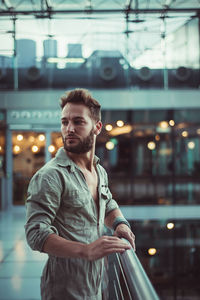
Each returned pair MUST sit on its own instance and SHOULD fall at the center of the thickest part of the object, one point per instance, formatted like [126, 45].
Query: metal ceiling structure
[52, 8]
[130, 26]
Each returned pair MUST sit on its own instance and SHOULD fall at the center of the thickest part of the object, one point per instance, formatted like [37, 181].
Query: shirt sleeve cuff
[37, 234]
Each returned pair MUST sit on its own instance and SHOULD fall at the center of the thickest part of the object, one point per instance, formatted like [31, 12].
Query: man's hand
[123, 231]
[104, 246]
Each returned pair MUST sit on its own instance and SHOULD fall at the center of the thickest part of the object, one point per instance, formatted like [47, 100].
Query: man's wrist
[83, 251]
[118, 221]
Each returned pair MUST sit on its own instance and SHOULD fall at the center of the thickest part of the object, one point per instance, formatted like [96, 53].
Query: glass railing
[125, 278]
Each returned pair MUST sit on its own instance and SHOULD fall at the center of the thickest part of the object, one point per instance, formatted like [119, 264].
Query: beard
[81, 147]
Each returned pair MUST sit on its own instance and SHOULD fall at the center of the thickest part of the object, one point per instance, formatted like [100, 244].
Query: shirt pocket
[75, 209]
[76, 199]
[104, 199]
[105, 193]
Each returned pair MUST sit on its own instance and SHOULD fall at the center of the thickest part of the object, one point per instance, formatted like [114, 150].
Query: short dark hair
[82, 96]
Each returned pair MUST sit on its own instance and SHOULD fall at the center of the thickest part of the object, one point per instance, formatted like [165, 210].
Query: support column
[8, 200]
[48, 143]
[15, 64]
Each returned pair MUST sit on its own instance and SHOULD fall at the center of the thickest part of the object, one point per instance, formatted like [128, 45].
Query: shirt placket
[97, 214]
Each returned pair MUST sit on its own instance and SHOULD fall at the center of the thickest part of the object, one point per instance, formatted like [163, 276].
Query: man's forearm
[105, 245]
[122, 228]
[109, 220]
[58, 246]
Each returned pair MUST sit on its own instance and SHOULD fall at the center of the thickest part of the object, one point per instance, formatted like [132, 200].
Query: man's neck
[83, 160]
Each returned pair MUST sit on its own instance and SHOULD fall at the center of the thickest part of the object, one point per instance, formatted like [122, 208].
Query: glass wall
[28, 157]
[2, 158]
[2, 164]
[56, 143]
[170, 254]
[152, 157]
[2, 152]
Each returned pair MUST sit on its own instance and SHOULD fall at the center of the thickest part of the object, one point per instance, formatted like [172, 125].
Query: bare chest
[92, 183]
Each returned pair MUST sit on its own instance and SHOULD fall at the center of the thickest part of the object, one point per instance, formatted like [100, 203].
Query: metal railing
[127, 278]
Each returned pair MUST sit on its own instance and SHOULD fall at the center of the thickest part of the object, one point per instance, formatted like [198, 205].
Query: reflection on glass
[110, 145]
[169, 173]
[16, 149]
[151, 145]
[163, 124]
[121, 130]
[20, 251]
[120, 123]
[173, 260]
[191, 145]
[152, 251]
[28, 157]
[2, 171]
[16, 282]
[34, 148]
[171, 123]
[184, 133]
[41, 137]
[109, 127]
[52, 148]
[20, 137]
[170, 226]
[1, 252]
[56, 143]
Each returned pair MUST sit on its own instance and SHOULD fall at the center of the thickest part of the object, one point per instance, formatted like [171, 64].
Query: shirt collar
[64, 161]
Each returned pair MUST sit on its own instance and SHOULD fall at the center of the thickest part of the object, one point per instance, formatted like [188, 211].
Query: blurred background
[141, 61]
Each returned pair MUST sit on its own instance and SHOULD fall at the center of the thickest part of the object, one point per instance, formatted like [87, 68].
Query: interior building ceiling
[55, 7]
[132, 26]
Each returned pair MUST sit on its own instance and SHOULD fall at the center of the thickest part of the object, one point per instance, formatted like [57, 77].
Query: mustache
[71, 136]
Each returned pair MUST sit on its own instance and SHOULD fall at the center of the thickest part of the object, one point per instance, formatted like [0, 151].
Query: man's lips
[71, 138]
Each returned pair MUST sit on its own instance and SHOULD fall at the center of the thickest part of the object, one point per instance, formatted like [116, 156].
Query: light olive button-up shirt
[60, 202]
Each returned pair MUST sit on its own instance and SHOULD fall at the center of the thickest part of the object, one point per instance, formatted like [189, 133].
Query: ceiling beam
[7, 4]
[100, 11]
[48, 5]
[129, 4]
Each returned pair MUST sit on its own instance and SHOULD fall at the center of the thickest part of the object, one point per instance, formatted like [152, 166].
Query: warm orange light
[151, 145]
[51, 148]
[121, 130]
[20, 137]
[35, 149]
[139, 133]
[31, 139]
[16, 149]
[157, 137]
[120, 123]
[108, 127]
[191, 145]
[110, 145]
[59, 142]
[163, 124]
[198, 131]
[171, 123]
[41, 137]
[152, 251]
[170, 226]
[184, 133]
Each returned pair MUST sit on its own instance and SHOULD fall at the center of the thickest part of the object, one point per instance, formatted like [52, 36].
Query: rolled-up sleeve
[43, 201]
[111, 204]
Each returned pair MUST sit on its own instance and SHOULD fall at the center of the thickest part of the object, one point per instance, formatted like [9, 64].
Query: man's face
[77, 128]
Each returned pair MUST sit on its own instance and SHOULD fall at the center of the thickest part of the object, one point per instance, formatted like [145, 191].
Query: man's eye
[79, 122]
[64, 123]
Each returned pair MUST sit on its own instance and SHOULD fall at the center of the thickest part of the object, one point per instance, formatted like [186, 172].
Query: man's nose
[70, 127]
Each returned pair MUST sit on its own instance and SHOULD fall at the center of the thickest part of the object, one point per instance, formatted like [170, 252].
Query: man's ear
[98, 127]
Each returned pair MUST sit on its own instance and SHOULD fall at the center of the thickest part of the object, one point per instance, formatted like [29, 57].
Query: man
[68, 204]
